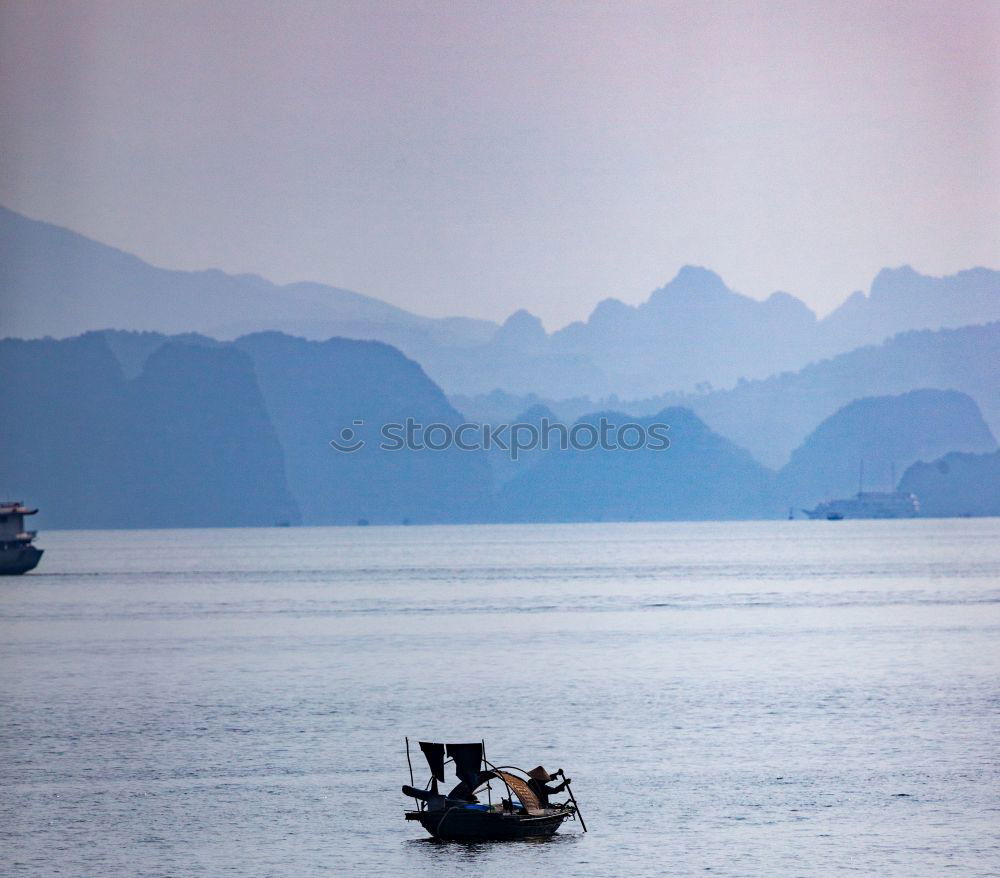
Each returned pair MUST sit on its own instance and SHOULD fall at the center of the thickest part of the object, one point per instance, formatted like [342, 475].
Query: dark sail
[434, 754]
[468, 758]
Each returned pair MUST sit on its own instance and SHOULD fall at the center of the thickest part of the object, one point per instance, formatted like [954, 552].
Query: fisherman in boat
[524, 812]
[538, 781]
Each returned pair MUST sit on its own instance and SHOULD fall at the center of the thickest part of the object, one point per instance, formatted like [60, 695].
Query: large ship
[17, 554]
[869, 504]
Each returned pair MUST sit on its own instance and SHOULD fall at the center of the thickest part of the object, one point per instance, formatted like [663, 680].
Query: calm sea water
[739, 699]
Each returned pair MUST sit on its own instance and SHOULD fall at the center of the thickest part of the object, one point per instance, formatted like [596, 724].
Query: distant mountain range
[54, 282]
[693, 332]
[191, 432]
[705, 476]
[773, 416]
[701, 476]
[116, 429]
[212, 416]
[188, 443]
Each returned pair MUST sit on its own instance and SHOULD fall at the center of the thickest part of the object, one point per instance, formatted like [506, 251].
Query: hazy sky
[474, 158]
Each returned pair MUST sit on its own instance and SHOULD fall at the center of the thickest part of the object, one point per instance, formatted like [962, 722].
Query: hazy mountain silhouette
[692, 331]
[54, 282]
[773, 416]
[886, 435]
[902, 295]
[197, 432]
[956, 484]
[313, 390]
[696, 332]
[187, 443]
[205, 432]
[700, 476]
[504, 466]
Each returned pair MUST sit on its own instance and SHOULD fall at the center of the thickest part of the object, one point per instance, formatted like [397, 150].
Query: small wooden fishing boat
[516, 803]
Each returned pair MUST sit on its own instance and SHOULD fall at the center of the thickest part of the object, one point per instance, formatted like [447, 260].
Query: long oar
[569, 790]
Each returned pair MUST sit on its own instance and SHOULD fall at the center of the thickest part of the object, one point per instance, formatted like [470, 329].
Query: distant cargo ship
[17, 554]
[869, 504]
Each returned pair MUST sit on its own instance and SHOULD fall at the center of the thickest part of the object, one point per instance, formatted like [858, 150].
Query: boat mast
[489, 789]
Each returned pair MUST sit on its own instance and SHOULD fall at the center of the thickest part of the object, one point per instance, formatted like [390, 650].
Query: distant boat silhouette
[17, 554]
[869, 504]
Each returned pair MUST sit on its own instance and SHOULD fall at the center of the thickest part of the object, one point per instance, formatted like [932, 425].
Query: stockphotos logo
[514, 439]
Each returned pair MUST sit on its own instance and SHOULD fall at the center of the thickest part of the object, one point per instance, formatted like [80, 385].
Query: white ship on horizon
[869, 504]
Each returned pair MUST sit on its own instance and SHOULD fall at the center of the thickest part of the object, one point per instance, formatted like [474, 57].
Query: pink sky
[475, 158]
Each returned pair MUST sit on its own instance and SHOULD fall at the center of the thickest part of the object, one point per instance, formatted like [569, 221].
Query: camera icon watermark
[514, 439]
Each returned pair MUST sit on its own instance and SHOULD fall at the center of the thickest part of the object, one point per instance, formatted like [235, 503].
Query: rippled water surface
[739, 699]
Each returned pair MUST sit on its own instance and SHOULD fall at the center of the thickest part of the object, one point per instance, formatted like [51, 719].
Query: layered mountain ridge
[770, 417]
[193, 432]
[217, 401]
[693, 332]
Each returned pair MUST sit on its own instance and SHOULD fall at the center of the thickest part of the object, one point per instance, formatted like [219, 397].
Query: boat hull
[18, 558]
[459, 824]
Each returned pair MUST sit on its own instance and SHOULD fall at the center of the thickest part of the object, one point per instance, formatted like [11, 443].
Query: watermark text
[513, 439]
